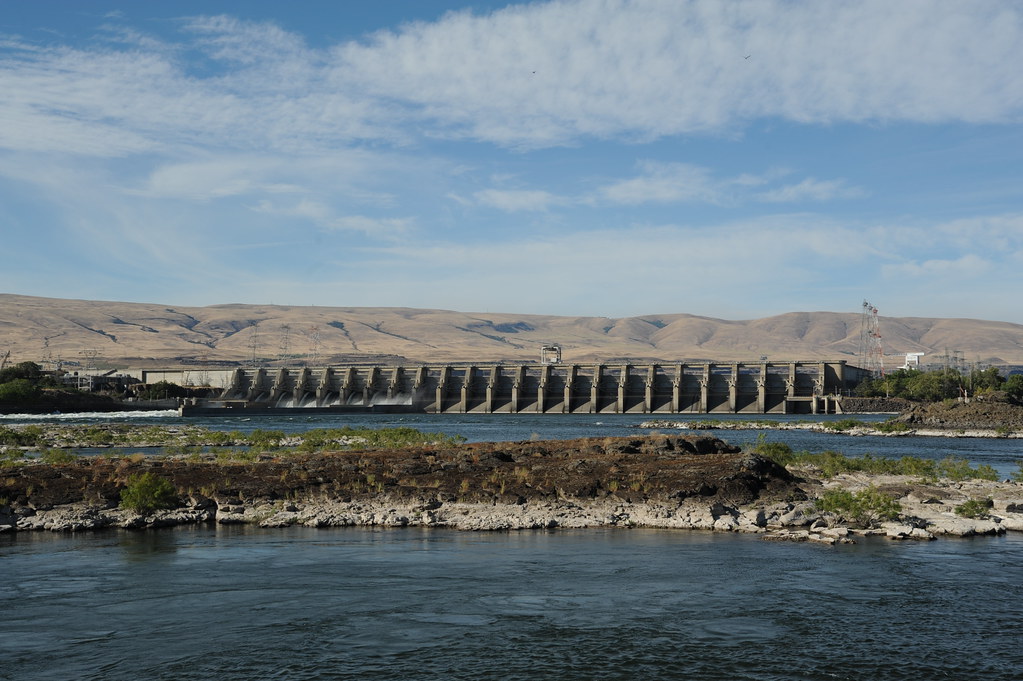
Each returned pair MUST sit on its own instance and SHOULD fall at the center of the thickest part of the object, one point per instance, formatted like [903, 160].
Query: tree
[988, 379]
[19, 390]
[24, 370]
[1014, 386]
[930, 387]
[162, 390]
[147, 492]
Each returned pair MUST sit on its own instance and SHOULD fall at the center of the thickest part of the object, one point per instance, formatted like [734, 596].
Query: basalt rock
[653, 470]
[991, 413]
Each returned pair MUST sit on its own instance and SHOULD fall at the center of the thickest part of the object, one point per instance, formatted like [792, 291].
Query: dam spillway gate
[702, 388]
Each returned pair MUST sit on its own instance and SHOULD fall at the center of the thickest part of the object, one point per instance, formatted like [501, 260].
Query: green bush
[19, 390]
[974, 508]
[162, 390]
[865, 507]
[779, 452]
[843, 424]
[892, 426]
[829, 464]
[266, 439]
[370, 438]
[20, 437]
[959, 469]
[148, 492]
[58, 456]
[236, 455]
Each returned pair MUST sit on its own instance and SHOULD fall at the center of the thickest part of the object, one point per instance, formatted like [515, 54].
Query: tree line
[942, 384]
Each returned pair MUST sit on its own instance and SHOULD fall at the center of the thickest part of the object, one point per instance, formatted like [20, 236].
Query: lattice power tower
[871, 355]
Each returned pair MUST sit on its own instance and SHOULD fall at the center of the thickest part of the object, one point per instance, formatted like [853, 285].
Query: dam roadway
[702, 388]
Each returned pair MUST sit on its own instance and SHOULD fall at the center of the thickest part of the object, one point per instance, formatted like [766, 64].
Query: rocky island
[988, 416]
[661, 481]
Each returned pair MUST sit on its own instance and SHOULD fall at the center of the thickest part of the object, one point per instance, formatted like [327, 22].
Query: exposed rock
[689, 482]
[874, 405]
[899, 531]
[990, 414]
[964, 527]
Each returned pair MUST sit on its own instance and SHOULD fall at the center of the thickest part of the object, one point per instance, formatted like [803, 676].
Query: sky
[731, 159]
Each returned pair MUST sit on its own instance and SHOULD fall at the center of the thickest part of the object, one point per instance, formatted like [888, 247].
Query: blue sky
[601, 158]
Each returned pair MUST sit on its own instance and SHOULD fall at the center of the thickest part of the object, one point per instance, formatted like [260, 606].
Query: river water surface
[238, 603]
[1002, 454]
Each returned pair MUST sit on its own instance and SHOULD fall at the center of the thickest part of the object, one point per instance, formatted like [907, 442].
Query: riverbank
[851, 427]
[658, 481]
[979, 418]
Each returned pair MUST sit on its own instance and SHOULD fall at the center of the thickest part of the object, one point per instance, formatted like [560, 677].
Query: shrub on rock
[866, 507]
[148, 492]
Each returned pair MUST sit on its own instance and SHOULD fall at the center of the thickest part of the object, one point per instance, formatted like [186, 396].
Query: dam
[549, 388]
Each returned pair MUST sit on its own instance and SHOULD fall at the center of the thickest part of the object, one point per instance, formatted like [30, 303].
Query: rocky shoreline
[657, 481]
[823, 427]
[991, 417]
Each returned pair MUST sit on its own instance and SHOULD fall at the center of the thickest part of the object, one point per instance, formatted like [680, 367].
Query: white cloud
[811, 189]
[325, 216]
[373, 226]
[771, 264]
[968, 265]
[661, 182]
[665, 183]
[517, 200]
[245, 42]
[531, 75]
[543, 74]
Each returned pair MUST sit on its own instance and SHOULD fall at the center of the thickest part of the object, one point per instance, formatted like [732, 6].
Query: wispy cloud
[969, 265]
[545, 74]
[511, 200]
[325, 216]
[666, 183]
[774, 264]
[531, 75]
[660, 182]
[811, 189]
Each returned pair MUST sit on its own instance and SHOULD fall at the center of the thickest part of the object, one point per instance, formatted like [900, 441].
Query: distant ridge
[114, 334]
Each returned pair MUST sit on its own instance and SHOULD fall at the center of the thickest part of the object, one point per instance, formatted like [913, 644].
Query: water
[243, 603]
[228, 602]
[1000, 453]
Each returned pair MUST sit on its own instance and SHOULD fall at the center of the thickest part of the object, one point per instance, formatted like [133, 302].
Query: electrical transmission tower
[285, 344]
[254, 342]
[314, 340]
[871, 355]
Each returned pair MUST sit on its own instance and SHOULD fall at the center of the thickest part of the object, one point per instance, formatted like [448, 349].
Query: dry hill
[141, 334]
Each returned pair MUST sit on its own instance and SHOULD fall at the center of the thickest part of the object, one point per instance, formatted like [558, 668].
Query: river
[1002, 454]
[241, 603]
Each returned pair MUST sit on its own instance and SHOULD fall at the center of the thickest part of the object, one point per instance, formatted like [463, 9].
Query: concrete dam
[701, 388]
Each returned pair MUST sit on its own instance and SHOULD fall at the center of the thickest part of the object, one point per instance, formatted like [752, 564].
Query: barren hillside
[112, 334]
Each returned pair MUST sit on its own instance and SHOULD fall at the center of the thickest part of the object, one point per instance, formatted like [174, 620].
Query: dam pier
[548, 388]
